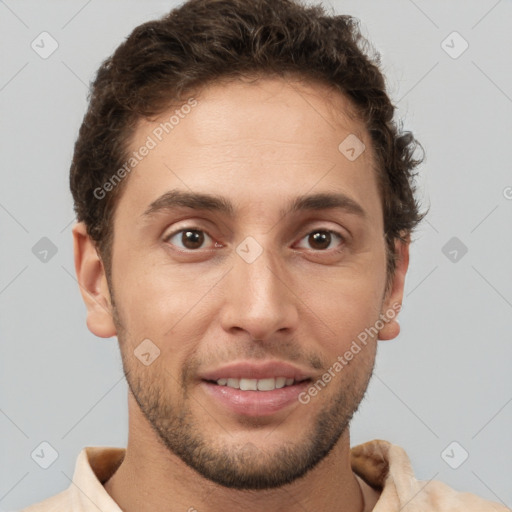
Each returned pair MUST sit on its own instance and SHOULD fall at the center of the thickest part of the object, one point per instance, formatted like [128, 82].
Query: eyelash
[319, 230]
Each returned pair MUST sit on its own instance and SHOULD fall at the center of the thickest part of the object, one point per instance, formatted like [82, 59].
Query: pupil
[322, 238]
[192, 239]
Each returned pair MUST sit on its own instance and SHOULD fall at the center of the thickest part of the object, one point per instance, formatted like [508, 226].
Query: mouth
[256, 390]
[267, 384]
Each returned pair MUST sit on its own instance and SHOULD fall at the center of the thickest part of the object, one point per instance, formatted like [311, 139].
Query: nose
[260, 298]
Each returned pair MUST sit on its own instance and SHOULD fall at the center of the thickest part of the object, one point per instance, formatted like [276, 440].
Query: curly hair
[203, 41]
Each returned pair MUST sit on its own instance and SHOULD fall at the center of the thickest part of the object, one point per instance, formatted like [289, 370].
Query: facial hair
[242, 466]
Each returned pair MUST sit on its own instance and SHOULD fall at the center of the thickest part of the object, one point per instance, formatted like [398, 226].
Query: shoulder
[436, 495]
[387, 468]
[94, 465]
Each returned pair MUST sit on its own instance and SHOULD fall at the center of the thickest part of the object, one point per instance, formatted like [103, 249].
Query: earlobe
[393, 300]
[93, 284]
[390, 331]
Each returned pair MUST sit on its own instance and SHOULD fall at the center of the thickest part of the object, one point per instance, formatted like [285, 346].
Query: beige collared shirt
[382, 465]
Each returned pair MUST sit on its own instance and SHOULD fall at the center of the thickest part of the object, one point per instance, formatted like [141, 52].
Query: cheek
[166, 305]
[344, 306]
[351, 321]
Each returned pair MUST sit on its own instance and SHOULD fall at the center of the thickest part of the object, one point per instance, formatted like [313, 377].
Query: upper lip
[250, 370]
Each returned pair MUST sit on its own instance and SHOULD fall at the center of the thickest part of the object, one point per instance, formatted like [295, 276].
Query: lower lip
[255, 403]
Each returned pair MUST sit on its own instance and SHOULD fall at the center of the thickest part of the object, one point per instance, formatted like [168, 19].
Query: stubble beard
[241, 465]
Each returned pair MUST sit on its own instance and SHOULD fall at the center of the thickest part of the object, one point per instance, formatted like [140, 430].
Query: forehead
[245, 138]
[263, 111]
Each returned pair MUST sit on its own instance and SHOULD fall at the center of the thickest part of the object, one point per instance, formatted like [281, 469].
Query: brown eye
[321, 239]
[192, 239]
[188, 239]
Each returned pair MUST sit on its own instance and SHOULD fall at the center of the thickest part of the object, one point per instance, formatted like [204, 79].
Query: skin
[259, 144]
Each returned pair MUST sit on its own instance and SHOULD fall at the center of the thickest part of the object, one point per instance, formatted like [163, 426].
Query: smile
[256, 384]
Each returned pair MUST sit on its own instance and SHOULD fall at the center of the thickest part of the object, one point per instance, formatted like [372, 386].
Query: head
[255, 103]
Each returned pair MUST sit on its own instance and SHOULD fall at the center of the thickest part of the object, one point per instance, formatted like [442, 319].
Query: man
[245, 204]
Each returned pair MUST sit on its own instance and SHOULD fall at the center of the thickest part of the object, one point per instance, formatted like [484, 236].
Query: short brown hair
[207, 40]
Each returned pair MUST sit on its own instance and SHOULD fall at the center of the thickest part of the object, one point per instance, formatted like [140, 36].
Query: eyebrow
[215, 203]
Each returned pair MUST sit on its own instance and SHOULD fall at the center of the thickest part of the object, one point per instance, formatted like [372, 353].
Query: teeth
[248, 384]
[266, 384]
[256, 384]
[280, 382]
[233, 383]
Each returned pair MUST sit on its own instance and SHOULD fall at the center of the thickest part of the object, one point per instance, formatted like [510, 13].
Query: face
[248, 257]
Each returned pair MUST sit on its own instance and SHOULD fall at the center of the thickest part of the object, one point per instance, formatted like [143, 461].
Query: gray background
[446, 378]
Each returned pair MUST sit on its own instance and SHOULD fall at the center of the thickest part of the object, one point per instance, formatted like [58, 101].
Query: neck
[151, 478]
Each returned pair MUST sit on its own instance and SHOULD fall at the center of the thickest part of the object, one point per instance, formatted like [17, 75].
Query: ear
[93, 283]
[393, 299]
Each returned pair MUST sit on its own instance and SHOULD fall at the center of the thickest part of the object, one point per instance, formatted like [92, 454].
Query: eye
[190, 238]
[321, 239]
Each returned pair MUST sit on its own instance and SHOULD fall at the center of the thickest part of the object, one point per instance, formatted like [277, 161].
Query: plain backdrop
[445, 379]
